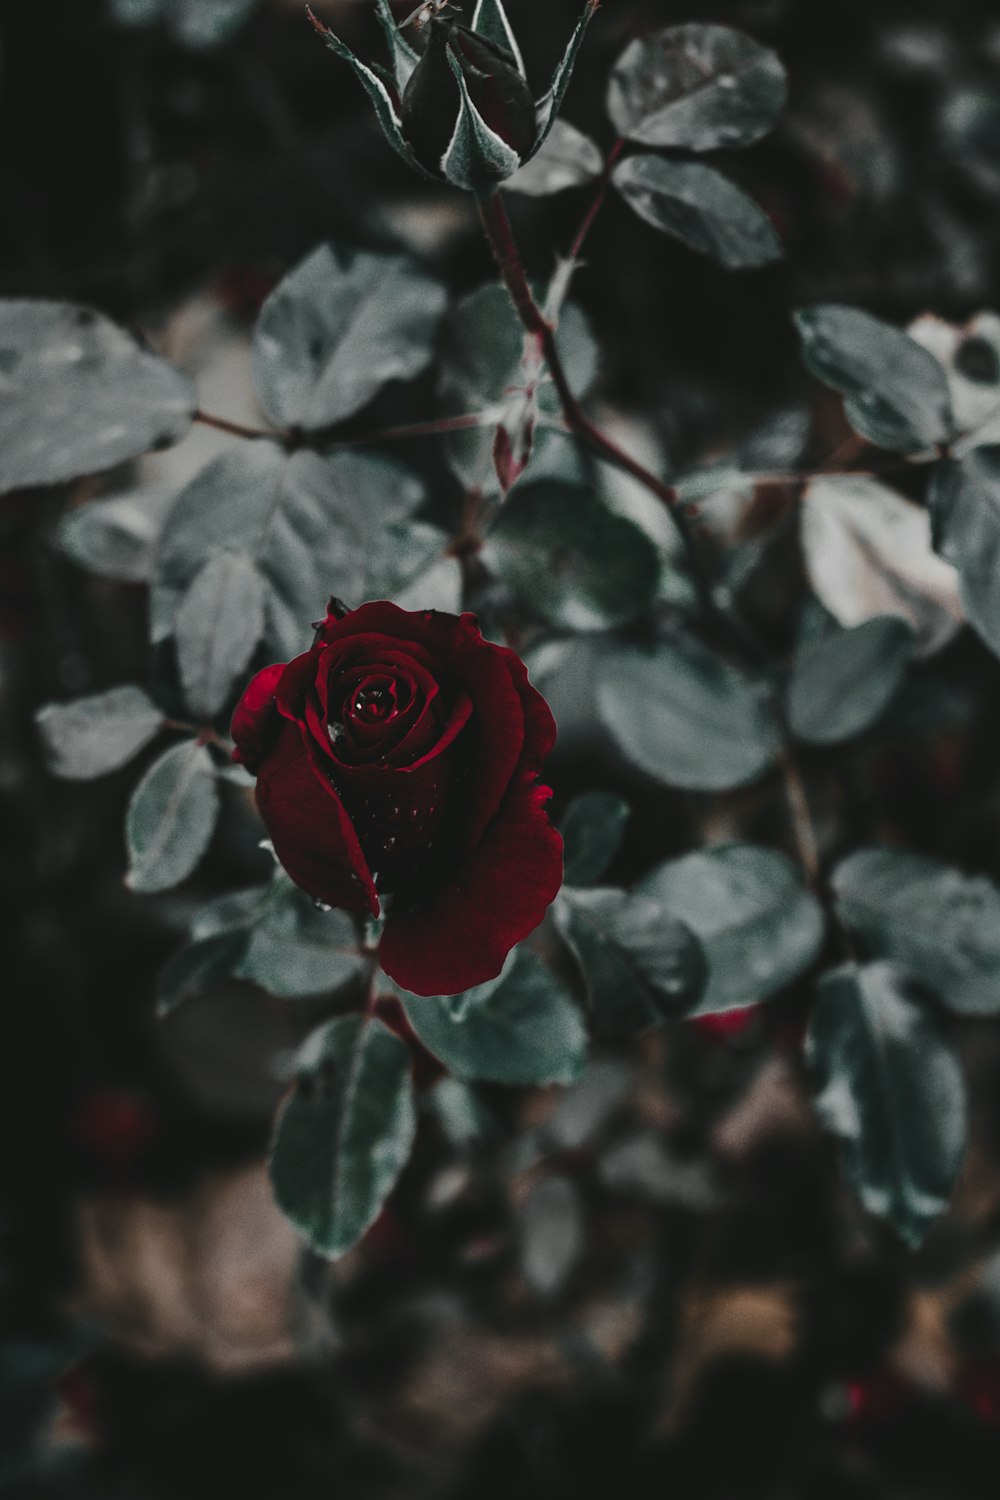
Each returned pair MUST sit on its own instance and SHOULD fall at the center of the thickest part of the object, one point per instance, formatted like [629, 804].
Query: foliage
[539, 533]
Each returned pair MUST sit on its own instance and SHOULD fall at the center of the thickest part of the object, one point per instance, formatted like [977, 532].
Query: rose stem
[501, 239]
[236, 429]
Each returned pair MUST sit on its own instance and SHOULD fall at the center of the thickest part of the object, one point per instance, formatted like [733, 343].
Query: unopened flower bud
[432, 101]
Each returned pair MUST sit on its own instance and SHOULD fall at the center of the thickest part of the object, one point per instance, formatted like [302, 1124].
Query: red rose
[400, 757]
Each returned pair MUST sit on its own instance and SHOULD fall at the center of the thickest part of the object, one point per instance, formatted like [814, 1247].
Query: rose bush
[399, 757]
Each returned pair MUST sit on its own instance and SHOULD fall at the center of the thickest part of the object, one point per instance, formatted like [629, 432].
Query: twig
[237, 429]
[501, 239]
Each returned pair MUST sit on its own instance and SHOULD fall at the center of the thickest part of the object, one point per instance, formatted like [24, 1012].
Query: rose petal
[482, 669]
[458, 934]
[255, 721]
[313, 836]
[539, 725]
[404, 815]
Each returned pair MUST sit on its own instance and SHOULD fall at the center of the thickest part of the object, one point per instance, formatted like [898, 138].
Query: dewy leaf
[569, 559]
[758, 926]
[521, 1028]
[888, 1085]
[640, 964]
[78, 395]
[844, 681]
[698, 87]
[311, 525]
[868, 552]
[217, 627]
[685, 717]
[345, 1134]
[95, 735]
[929, 917]
[171, 818]
[964, 502]
[116, 536]
[568, 159]
[549, 105]
[701, 208]
[897, 393]
[337, 329]
[592, 831]
[490, 20]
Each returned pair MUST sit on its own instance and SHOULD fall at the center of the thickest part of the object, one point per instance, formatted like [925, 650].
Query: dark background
[733, 1326]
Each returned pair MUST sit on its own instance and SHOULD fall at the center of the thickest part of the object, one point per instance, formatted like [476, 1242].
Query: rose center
[373, 704]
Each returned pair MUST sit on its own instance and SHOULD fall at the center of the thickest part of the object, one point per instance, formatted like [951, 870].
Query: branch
[501, 239]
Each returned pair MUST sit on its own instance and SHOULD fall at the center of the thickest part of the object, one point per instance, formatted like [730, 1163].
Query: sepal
[375, 87]
[477, 157]
[549, 105]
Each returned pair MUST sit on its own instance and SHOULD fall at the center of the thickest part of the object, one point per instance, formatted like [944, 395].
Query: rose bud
[462, 112]
[432, 101]
[400, 757]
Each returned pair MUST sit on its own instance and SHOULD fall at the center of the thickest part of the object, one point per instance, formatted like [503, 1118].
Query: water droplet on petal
[322, 906]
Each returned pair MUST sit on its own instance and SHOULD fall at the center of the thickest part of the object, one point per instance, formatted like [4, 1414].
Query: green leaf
[570, 560]
[520, 1028]
[311, 524]
[964, 500]
[680, 714]
[278, 939]
[337, 329]
[198, 968]
[116, 537]
[483, 358]
[701, 208]
[345, 1134]
[568, 159]
[888, 1085]
[295, 949]
[95, 735]
[868, 552]
[171, 818]
[78, 395]
[410, 566]
[592, 831]
[549, 105]
[897, 393]
[217, 627]
[640, 964]
[929, 917]
[758, 925]
[843, 682]
[490, 20]
[698, 87]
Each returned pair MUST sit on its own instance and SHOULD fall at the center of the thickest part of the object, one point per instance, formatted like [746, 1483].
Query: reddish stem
[501, 239]
[603, 183]
[237, 429]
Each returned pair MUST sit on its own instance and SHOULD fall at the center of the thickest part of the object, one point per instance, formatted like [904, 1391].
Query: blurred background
[656, 1280]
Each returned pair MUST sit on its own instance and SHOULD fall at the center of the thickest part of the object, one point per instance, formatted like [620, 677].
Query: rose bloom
[399, 757]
